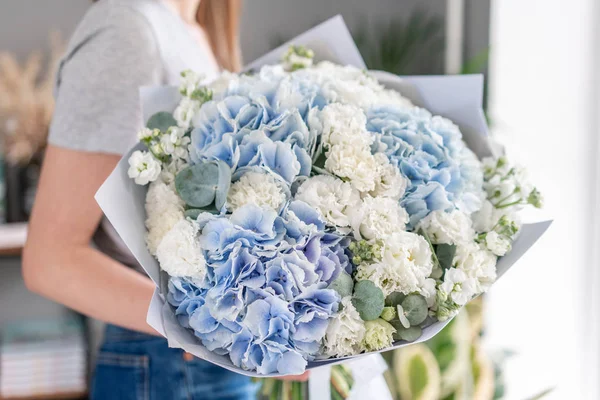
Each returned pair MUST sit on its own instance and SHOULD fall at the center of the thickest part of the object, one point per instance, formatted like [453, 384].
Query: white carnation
[478, 263]
[354, 163]
[179, 252]
[255, 188]
[497, 244]
[406, 263]
[143, 167]
[378, 217]
[334, 198]
[345, 332]
[185, 111]
[447, 227]
[164, 209]
[343, 125]
[390, 182]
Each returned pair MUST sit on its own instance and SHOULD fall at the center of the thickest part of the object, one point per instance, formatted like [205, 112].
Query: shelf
[12, 238]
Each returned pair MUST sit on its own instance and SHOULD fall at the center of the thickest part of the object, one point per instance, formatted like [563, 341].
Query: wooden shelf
[12, 238]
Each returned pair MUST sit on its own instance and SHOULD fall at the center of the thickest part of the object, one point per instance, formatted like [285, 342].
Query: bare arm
[58, 261]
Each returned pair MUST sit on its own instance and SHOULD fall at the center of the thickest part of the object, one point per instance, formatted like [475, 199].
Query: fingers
[296, 378]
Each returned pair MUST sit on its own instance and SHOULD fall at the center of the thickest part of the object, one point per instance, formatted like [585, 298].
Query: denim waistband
[113, 334]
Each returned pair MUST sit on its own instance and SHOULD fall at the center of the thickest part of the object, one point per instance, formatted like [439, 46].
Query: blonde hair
[220, 19]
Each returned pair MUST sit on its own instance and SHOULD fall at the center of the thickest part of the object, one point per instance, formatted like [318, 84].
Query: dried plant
[27, 102]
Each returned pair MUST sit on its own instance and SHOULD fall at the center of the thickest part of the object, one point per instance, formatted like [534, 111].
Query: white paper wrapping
[458, 98]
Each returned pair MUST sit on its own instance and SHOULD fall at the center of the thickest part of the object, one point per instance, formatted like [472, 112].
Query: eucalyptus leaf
[199, 185]
[415, 308]
[193, 213]
[368, 300]
[409, 334]
[445, 255]
[343, 284]
[394, 298]
[162, 121]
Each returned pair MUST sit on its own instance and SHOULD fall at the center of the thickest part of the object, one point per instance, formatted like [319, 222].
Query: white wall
[542, 103]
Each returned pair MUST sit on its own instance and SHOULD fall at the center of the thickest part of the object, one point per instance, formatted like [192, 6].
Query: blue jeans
[136, 366]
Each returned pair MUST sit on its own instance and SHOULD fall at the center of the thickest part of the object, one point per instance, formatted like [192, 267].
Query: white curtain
[544, 105]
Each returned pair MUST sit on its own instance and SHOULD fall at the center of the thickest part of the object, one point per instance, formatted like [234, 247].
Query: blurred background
[538, 334]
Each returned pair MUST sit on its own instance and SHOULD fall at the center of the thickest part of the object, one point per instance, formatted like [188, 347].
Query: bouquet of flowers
[306, 211]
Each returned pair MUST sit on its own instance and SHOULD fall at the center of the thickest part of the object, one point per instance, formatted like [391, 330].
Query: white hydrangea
[179, 252]
[390, 182]
[143, 167]
[185, 111]
[334, 198]
[448, 227]
[378, 217]
[341, 124]
[175, 143]
[255, 188]
[164, 209]
[354, 163]
[406, 263]
[497, 244]
[478, 263]
[459, 287]
[345, 332]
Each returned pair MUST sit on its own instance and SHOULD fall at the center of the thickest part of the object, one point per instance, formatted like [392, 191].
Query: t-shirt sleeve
[97, 98]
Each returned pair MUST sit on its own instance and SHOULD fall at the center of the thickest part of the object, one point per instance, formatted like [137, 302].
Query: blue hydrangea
[264, 300]
[429, 151]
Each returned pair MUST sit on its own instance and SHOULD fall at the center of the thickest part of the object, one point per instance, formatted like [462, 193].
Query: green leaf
[200, 184]
[161, 121]
[409, 334]
[193, 213]
[395, 298]
[343, 284]
[445, 255]
[368, 300]
[415, 308]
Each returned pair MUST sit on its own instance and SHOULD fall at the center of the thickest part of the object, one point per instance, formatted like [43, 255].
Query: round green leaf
[193, 213]
[409, 334]
[161, 121]
[415, 308]
[198, 184]
[368, 300]
[395, 298]
[343, 284]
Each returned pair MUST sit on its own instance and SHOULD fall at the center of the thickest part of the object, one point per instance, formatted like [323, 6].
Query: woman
[119, 46]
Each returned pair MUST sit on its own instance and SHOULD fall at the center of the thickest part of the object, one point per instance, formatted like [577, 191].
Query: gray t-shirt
[119, 46]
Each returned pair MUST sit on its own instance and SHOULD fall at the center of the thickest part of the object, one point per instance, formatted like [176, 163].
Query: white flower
[179, 252]
[143, 167]
[378, 217]
[255, 188]
[345, 332]
[447, 227]
[488, 216]
[406, 263]
[222, 82]
[190, 82]
[146, 133]
[392, 98]
[428, 290]
[379, 335]
[164, 209]
[175, 143]
[353, 163]
[497, 244]
[478, 263]
[334, 198]
[170, 170]
[390, 182]
[185, 111]
[341, 124]
[295, 61]
[458, 286]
